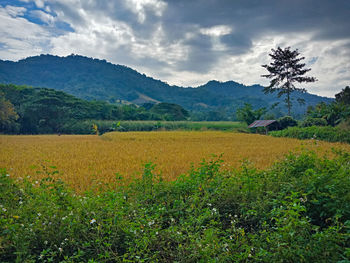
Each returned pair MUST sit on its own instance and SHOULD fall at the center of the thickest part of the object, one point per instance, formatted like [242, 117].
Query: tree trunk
[288, 102]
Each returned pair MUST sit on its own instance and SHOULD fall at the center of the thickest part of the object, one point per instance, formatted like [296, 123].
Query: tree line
[28, 110]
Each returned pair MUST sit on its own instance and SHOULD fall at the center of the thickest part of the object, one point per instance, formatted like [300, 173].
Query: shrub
[327, 133]
[296, 211]
[314, 122]
[286, 121]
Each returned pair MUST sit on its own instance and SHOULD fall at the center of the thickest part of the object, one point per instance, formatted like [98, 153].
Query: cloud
[20, 38]
[187, 42]
[43, 16]
[14, 11]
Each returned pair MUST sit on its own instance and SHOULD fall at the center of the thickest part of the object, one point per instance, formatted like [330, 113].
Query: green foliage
[8, 115]
[248, 115]
[314, 122]
[286, 121]
[172, 112]
[333, 113]
[48, 111]
[296, 211]
[84, 127]
[343, 97]
[94, 79]
[331, 134]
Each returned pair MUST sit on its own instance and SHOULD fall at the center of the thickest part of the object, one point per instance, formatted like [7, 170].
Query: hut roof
[261, 123]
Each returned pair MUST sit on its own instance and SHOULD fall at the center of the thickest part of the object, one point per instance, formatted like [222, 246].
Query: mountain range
[95, 79]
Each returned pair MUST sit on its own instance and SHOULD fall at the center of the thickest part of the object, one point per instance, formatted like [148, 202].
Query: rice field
[86, 160]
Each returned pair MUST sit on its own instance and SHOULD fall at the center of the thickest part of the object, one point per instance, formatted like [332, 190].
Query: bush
[327, 133]
[286, 121]
[296, 211]
[314, 122]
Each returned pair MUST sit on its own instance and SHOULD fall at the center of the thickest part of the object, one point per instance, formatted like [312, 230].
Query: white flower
[60, 249]
[7, 175]
[92, 221]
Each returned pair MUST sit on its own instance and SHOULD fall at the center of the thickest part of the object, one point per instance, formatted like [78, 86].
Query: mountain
[95, 79]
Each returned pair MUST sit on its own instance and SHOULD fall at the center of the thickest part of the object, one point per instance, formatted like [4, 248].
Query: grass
[86, 161]
[84, 127]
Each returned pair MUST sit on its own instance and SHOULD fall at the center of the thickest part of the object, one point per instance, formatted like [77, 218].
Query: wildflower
[15, 217]
[39, 214]
[4, 209]
[92, 221]
[7, 175]
[60, 249]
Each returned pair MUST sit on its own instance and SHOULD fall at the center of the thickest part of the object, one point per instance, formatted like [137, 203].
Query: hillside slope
[95, 79]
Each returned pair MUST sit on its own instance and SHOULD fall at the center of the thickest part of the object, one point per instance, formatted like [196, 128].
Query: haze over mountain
[95, 79]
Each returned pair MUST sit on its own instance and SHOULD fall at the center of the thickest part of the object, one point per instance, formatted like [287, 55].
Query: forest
[28, 110]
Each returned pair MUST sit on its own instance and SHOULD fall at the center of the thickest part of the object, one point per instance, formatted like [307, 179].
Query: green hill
[94, 79]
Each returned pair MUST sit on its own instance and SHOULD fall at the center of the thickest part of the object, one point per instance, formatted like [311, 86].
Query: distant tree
[248, 115]
[285, 70]
[170, 111]
[343, 96]
[8, 115]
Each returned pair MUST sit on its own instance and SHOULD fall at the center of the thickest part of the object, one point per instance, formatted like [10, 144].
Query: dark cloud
[175, 35]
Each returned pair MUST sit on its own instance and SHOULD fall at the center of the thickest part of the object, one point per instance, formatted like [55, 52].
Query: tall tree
[248, 115]
[343, 96]
[286, 69]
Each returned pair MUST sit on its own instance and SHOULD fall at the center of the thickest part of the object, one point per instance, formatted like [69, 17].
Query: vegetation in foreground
[296, 211]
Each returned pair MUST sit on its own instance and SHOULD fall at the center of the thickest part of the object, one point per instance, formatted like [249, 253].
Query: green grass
[296, 211]
[84, 127]
[327, 133]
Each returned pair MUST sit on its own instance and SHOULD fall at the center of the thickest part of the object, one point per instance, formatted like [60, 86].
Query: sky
[186, 42]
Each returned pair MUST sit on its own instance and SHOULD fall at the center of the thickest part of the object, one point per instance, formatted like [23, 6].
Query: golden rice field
[83, 160]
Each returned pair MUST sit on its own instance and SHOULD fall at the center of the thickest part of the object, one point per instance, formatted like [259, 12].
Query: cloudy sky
[186, 42]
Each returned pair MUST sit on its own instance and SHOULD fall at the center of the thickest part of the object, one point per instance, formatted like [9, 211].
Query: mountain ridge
[95, 79]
